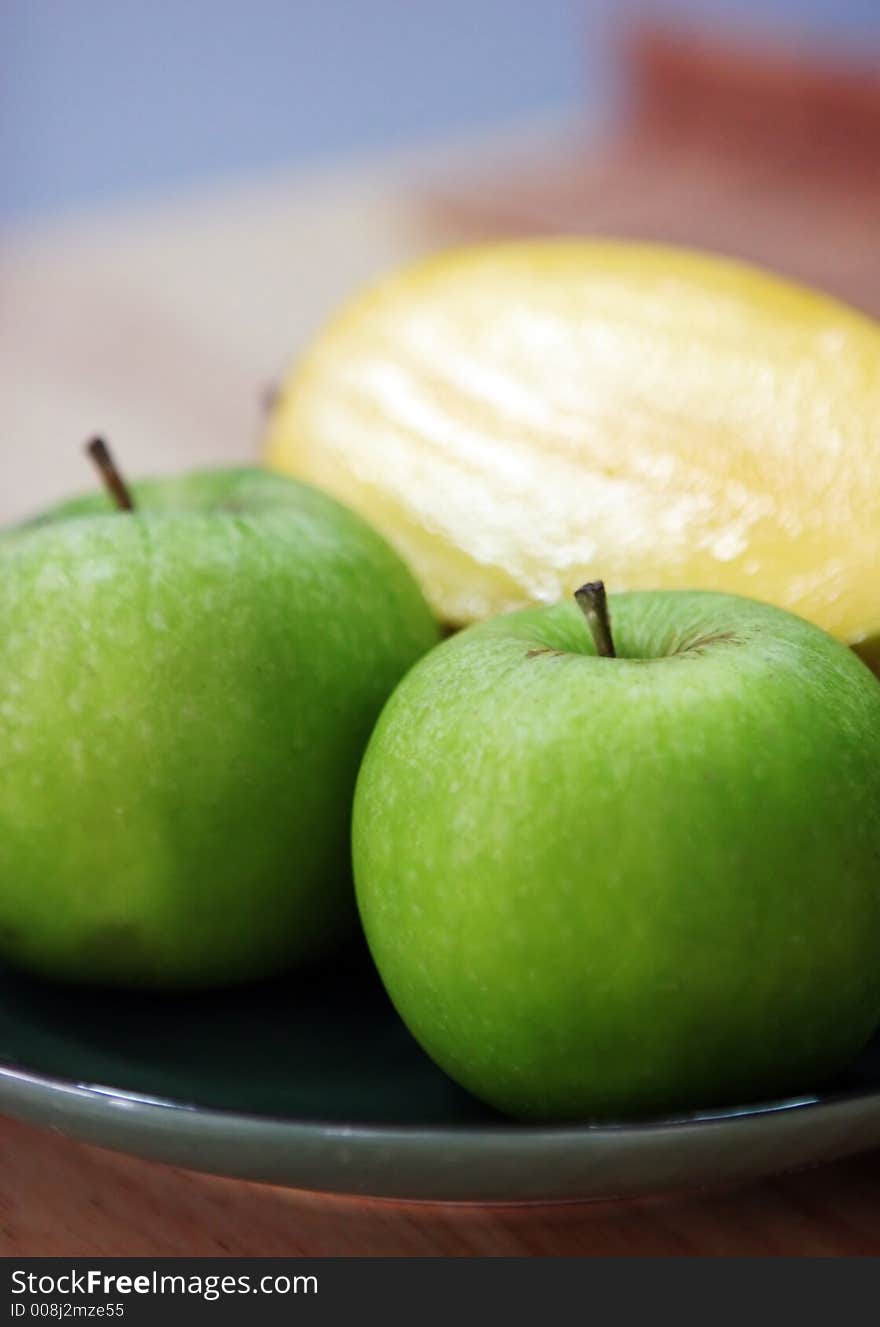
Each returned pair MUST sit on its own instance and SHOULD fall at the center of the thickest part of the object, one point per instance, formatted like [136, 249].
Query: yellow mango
[520, 417]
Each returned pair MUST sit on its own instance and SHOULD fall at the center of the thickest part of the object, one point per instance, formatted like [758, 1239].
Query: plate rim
[110, 1096]
[494, 1162]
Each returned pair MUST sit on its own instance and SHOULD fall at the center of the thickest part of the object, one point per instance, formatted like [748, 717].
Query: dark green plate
[315, 1083]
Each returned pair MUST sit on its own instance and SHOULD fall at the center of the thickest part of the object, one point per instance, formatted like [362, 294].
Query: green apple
[186, 691]
[608, 886]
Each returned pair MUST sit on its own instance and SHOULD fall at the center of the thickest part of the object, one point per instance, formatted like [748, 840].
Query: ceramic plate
[316, 1084]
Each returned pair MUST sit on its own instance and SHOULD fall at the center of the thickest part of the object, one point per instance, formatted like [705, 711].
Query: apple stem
[99, 452]
[593, 604]
[269, 397]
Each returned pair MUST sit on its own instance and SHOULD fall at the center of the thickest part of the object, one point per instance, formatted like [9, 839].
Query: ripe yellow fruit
[518, 418]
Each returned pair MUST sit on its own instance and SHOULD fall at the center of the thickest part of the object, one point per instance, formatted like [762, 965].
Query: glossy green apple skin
[603, 888]
[185, 697]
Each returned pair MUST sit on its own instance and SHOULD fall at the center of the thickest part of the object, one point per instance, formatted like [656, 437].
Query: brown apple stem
[593, 604]
[116, 486]
[269, 397]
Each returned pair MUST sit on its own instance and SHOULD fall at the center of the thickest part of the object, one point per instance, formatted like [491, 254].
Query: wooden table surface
[66, 1199]
[160, 327]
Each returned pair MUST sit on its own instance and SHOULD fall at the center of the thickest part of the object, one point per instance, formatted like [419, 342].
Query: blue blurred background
[108, 99]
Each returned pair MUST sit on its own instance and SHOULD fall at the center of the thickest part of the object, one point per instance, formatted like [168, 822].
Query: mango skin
[185, 697]
[519, 417]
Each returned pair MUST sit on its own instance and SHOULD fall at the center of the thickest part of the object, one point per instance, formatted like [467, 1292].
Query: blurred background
[105, 99]
[188, 188]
